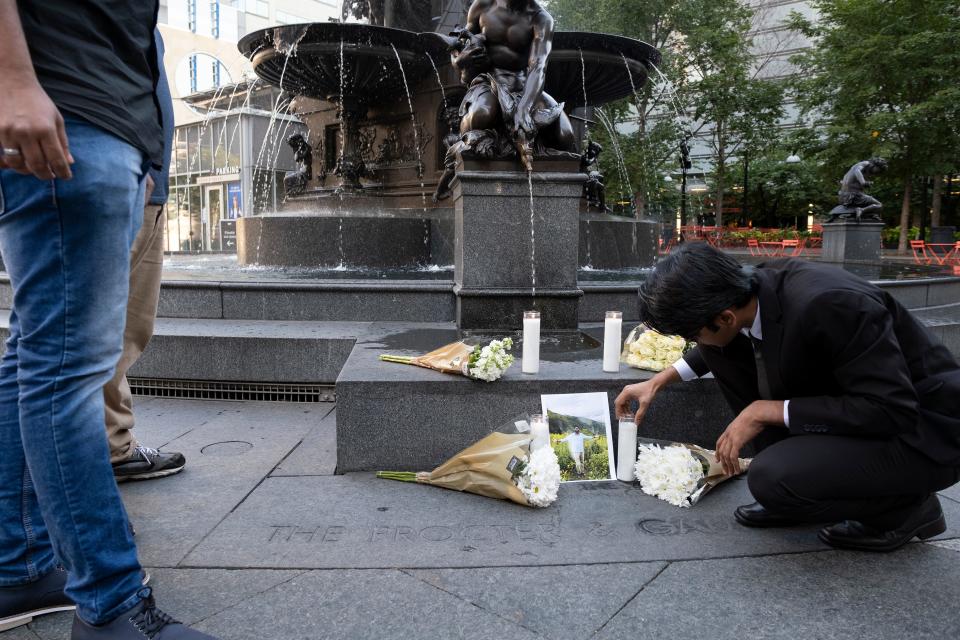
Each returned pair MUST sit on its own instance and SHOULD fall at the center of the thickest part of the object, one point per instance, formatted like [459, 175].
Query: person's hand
[148, 191]
[642, 392]
[744, 428]
[31, 125]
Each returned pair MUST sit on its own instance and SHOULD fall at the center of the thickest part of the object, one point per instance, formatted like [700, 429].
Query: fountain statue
[594, 189]
[296, 181]
[502, 55]
[855, 203]
[482, 120]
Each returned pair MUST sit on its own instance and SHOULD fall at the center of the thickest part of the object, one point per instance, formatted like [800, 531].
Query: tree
[881, 76]
[713, 89]
[738, 109]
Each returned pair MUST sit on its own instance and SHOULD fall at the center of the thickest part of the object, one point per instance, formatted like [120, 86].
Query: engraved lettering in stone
[526, 532]
[381, 533]
[680, 526]
[436, 534]
[281, 533]
[333, 534]
[406, 533]
[503, 533]
[303, 535]
[475, 533]
[547, 535]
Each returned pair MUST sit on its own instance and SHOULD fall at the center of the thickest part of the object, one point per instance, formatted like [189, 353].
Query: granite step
[243, 350]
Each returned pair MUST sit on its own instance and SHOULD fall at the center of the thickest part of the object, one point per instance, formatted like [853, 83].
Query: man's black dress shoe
[754, 515]
[927, 521]
[20, 605]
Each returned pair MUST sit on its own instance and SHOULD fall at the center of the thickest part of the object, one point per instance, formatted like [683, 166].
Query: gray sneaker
[146, 463]
[143, 621]
[20, 605]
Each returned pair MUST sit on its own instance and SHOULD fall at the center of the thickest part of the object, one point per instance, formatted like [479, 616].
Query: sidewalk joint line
[635, 596]
[408, 573]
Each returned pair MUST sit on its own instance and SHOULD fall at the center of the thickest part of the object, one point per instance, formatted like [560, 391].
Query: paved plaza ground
[257, 539]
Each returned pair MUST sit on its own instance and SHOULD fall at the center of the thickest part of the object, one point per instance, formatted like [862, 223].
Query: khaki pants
[146, 266]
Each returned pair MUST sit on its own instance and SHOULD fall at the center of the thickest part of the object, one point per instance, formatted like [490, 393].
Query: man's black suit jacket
[849, 358]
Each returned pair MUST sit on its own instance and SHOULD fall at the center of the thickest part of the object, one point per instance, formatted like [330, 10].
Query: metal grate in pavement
[224, 390]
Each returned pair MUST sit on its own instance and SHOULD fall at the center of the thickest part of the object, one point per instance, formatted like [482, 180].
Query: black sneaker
[146, 463]
[143, 621]
[20, 605]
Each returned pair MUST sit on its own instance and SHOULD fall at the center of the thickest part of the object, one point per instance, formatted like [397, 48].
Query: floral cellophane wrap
[492, 467]
[647, 349]
[483, 362]
[710, 472]
[451, 358]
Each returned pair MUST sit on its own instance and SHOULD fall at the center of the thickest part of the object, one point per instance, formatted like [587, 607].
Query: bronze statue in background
[295, 182]
[502, 58]
[595, 188]
[855, 203]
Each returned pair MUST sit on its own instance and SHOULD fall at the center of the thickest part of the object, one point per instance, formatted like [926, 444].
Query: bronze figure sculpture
[855, 203]
[295, 182]
[502, 55]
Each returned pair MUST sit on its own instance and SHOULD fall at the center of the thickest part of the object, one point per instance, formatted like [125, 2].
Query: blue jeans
[66, 245]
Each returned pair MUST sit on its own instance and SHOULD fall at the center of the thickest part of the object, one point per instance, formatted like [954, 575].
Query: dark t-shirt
[96, 59]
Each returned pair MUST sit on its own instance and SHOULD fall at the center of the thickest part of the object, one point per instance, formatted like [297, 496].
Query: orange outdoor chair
[953, 258]
[919, 248]
[792, 248]
[754, 246]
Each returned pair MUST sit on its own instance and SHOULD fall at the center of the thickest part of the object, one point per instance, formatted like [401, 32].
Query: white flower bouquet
[487, 363]
[500, 465]
[647, 349]
[680, 474]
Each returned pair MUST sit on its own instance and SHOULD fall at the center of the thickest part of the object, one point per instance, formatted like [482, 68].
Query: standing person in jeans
[79, 126]
[130, 459]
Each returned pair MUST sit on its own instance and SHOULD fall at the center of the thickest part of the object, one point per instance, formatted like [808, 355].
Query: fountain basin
[351, 239]
[328, 59]
[610, 69]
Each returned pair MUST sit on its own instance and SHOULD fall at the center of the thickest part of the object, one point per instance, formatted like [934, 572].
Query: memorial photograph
[580, 434]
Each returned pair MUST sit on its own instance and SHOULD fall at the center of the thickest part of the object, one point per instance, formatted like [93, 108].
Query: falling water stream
[436, 72]
[413, 124]
[533, 238]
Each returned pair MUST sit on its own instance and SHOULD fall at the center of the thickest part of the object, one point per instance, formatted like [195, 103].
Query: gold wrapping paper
[452, 358]
[483, 468]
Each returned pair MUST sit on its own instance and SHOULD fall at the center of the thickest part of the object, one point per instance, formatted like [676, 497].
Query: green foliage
[881, 80]
[560, 423]
[705, 46]
[595, 459]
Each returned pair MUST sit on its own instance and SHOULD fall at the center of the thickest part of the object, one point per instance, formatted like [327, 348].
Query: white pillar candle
[611, 341]
[540, 430]
[627, 451]
[531, 342]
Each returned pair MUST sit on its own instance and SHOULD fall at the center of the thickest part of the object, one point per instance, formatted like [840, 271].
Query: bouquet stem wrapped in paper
[479, 363]
[500, 465]
[678, 473]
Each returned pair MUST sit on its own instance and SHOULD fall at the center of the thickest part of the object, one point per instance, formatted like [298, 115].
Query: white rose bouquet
[500, 465]
[680, 474]
[487, 363]
[647, 349]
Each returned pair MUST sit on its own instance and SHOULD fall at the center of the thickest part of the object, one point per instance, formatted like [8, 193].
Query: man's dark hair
[691, 286]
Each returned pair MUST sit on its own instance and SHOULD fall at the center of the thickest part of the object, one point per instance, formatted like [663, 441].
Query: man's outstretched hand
[641, 392]
[31, 124]
[744, 428]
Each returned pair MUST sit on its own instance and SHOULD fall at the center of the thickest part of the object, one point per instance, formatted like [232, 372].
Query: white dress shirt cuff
[686, 373]
[786, 413]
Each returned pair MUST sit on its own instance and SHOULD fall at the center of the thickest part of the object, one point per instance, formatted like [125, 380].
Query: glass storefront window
[195, 233]
[206, 150]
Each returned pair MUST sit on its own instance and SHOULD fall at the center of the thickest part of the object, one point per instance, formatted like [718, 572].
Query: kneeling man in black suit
[853, 408]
